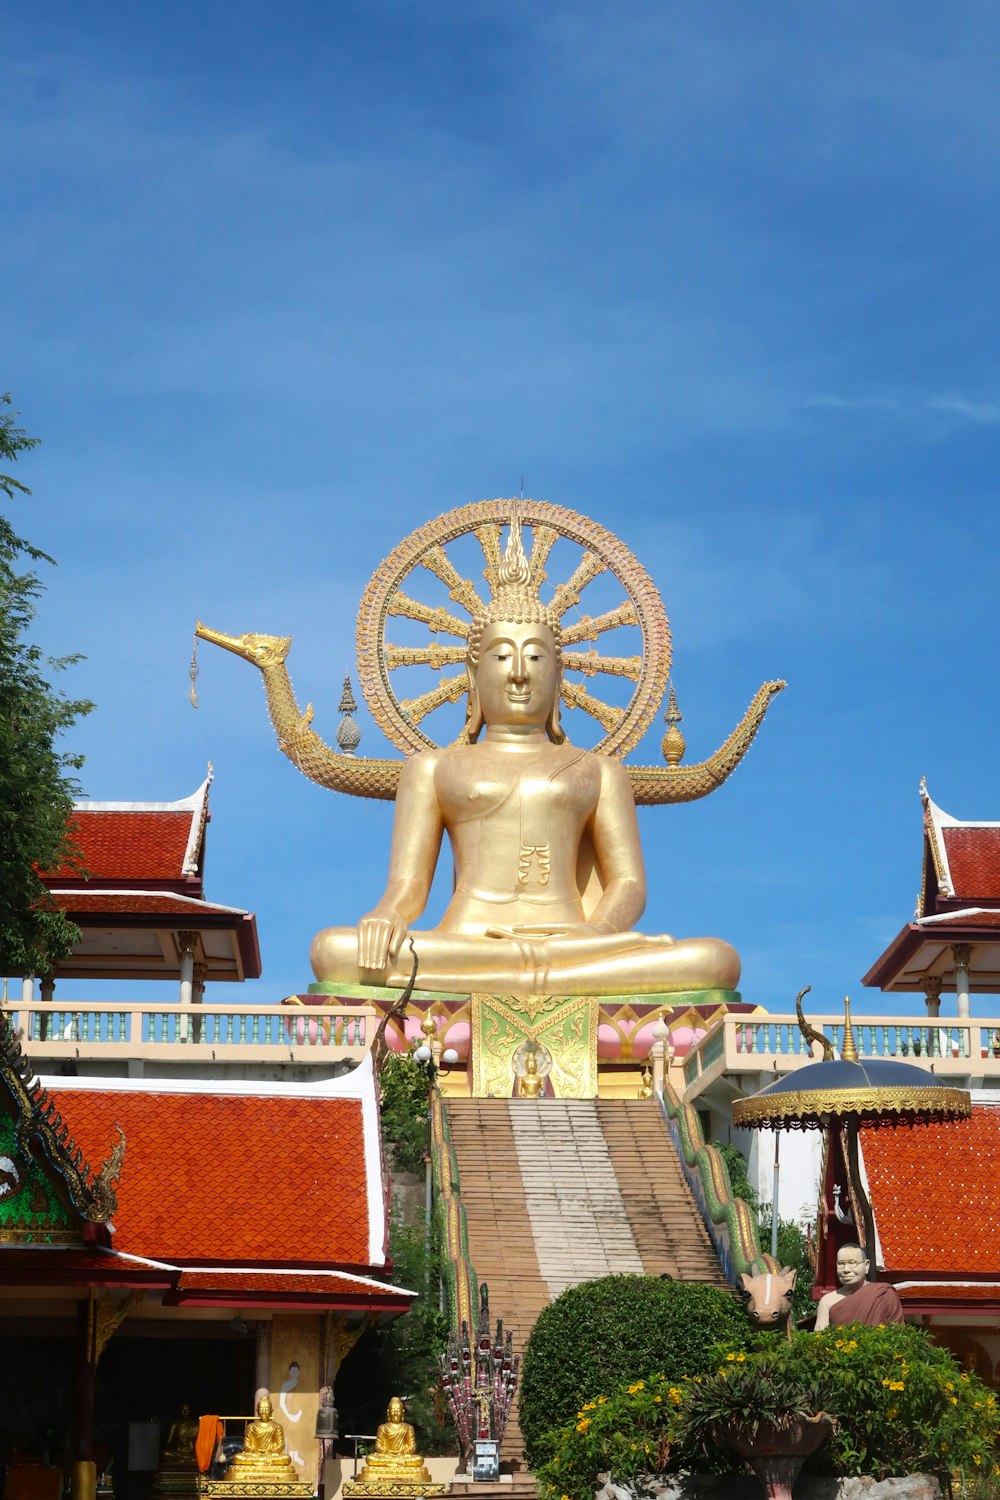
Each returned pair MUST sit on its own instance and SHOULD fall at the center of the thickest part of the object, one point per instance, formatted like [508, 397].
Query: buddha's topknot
[516, 598]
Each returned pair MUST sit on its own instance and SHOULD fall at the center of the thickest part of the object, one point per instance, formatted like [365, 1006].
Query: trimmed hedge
[600, 1335]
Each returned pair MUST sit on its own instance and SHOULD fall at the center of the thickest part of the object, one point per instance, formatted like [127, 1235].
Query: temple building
[141, 905]
[193, 1201]
[952, 942]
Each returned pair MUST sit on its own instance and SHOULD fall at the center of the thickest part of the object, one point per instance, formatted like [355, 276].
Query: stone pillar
[295, 1379]
[48, 990]
[262, 1369]
[27, 991]
[185, 947]
[932, 995]
[962, 954]
[198, 997]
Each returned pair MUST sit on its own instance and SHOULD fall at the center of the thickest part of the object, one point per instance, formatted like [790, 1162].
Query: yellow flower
[895, 1385]
[601, 1400]
[892, 1412]
[730, 1356]
[976, 1459]
[676, 1395]
[953, 1400]
[639, 1386]
[583, 1424]
[657, 1400]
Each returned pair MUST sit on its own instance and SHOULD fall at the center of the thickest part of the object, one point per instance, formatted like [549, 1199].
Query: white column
[962, 954]
[185, 947]
[27, 991]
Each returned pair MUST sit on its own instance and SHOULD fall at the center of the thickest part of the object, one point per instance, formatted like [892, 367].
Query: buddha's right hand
[380, 937]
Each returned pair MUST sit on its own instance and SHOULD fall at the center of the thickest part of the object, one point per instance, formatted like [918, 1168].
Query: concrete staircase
[559, 1191]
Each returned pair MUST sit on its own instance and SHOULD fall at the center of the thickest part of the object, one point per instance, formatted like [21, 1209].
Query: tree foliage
[36, 782]
[403, 1086]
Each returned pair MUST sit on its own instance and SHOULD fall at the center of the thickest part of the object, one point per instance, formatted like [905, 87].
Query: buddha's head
[395, 1411]
[531, 1063]
[264, 1408]
[185, 1411]
[514, 660]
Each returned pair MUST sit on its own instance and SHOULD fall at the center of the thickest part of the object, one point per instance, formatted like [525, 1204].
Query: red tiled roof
[933, 1190]
[926, 1291]
[129, 845]
[71, 1267]
[326, 1286]
[144, 904]
[223, 1178]
[974, 861]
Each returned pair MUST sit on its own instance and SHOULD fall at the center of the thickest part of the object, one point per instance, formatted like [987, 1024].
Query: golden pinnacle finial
[514, 571]
[848, 1049]
[673, 743]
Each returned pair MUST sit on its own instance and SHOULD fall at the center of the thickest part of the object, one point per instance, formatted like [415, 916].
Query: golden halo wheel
[394, 594]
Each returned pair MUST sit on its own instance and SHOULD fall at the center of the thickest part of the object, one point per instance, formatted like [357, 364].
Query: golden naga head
[515, 602]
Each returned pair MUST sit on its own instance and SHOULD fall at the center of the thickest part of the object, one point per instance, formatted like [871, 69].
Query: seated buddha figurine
[178, 1451]
[395, 1459]
[263, 1455]
[549, 876]
[530, 1085]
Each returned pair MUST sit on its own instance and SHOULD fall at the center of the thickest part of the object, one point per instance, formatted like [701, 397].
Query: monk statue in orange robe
[857, 1300]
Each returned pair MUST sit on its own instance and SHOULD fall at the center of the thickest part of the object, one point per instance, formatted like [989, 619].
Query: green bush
[902, 1405]
[617, 1330]
[403, 1085]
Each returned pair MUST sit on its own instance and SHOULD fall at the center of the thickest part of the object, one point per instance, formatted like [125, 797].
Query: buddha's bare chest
[558, 789]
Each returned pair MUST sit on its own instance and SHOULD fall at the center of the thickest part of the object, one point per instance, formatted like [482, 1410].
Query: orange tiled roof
[143, 903]
[974, 861]
[325, 1286]
[933, 1190]
[231, 1178]
[129, 845]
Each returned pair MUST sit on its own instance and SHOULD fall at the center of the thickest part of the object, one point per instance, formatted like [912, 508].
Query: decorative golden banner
[566, 1027]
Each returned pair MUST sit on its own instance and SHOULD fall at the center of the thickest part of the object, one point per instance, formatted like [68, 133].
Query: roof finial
[673, 743]
[848, 1049]
[348, 733]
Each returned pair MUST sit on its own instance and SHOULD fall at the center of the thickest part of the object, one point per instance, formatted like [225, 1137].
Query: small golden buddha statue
[178, 1451]
[645, 1084]
[395, 1467]
[530, 1085]
[263, 1455]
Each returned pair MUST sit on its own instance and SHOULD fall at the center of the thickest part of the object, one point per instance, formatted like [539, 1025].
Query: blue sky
[278, 284]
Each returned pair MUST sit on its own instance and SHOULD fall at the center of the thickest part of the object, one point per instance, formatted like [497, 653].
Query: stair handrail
[730, 1222]
[458, 1274]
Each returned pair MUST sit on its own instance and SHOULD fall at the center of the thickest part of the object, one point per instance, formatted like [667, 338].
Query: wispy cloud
[935, 413]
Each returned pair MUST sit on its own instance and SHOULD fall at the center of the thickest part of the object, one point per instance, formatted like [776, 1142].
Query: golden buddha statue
[263, 1456]
[395, 1467]
[178, 1451]
[549, 875]
[530, 1085]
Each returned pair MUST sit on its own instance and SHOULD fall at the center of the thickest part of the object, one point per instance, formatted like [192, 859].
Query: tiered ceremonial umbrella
[846, 1093]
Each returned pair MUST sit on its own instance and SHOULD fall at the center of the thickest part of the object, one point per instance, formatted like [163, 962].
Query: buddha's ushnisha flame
[516, 597]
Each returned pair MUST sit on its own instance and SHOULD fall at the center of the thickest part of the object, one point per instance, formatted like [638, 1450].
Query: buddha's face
[517, 678]
[852, 1268]
[264, 1408]
[395, 1410]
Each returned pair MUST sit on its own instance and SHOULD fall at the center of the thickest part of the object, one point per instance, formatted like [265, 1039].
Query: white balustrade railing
[774, 1044]
[220, 1033]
